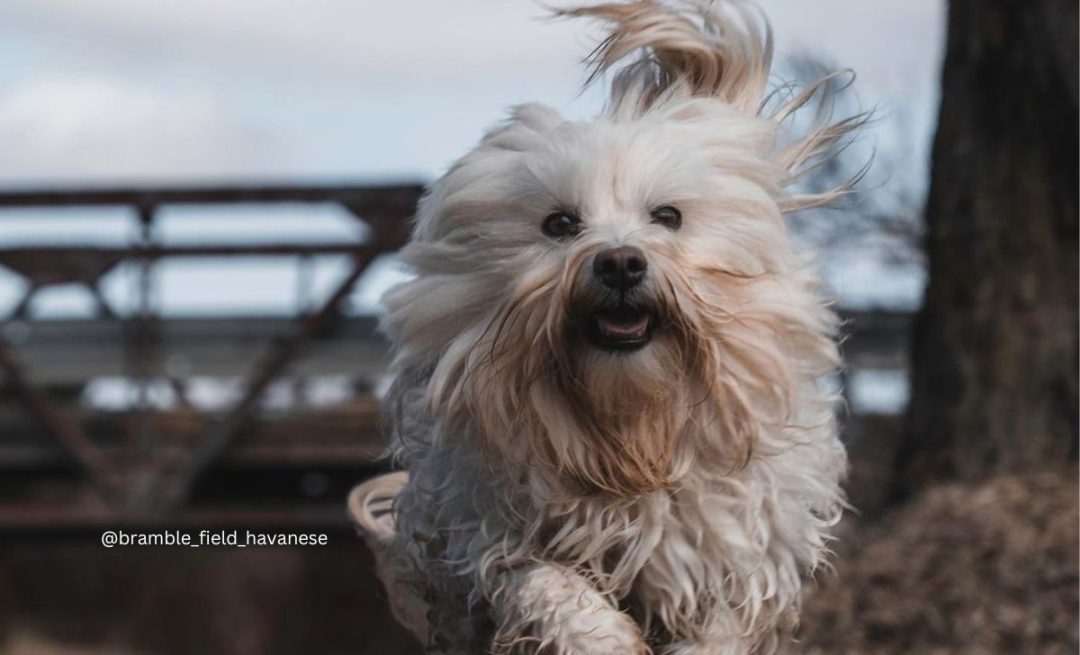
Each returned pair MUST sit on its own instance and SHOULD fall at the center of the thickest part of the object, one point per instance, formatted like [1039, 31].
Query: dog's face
[602, 306]
[587, 291]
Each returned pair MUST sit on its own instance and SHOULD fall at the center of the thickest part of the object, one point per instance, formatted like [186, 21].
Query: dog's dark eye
[667, 216]
[562, 224]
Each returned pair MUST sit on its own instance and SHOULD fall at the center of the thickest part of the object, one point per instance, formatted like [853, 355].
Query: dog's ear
[703, 49]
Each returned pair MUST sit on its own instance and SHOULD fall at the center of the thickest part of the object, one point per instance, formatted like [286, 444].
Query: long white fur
[562, 499]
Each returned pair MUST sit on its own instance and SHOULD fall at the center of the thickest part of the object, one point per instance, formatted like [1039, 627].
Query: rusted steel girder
[369, 200]
[107, 479]
[30, 258]
[384, 208]
[279, 357]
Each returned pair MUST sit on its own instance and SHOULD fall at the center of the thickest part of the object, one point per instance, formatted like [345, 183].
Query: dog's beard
[622, 414]
[551, 406]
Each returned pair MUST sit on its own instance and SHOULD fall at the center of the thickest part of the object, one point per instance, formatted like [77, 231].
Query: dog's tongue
[623, 327]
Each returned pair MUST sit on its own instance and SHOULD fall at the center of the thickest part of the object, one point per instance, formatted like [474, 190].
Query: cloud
[317, 38]
[345, 88]
[87, 128]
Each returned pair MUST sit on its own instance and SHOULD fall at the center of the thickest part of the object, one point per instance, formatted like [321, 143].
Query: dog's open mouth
[624, 328]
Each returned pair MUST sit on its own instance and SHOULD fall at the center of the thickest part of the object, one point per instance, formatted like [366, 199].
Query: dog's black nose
[620, 268]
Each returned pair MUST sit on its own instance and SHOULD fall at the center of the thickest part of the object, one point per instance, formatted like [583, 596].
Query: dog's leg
[553, 611]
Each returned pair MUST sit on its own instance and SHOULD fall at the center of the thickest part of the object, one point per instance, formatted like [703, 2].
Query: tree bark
[994, 362]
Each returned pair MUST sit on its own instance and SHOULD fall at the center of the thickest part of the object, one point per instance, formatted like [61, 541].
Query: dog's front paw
[551, 611]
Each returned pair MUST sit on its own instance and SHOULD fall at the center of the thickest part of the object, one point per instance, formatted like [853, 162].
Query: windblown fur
[566, 499]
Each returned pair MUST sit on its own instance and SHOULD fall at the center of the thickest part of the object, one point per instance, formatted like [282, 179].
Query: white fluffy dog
[609, 365]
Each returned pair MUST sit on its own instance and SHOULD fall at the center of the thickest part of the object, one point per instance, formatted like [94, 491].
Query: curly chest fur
[727, 550]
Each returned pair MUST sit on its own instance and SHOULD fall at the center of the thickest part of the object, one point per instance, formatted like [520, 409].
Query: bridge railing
[132, 477]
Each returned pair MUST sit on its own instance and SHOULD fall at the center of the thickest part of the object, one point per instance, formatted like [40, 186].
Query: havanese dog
[612, 394]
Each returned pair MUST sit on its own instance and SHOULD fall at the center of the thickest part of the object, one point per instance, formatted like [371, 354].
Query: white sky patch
[215, 394]
[93, 128]
[864, 280]
[258, 223]
[88, 226]
[879, 391]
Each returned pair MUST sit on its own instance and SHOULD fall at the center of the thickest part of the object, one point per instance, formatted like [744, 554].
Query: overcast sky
[133, 90]
[120, 89]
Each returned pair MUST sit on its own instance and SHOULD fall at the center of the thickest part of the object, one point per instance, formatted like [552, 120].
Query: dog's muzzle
[620, 323]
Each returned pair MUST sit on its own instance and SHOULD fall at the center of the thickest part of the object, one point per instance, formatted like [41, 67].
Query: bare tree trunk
[994, 378]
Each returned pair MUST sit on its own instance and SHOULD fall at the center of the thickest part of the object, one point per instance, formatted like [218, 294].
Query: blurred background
[200, 203]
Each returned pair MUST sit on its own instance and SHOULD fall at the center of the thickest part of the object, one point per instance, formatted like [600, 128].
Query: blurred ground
[963, 569]
[67, 595]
